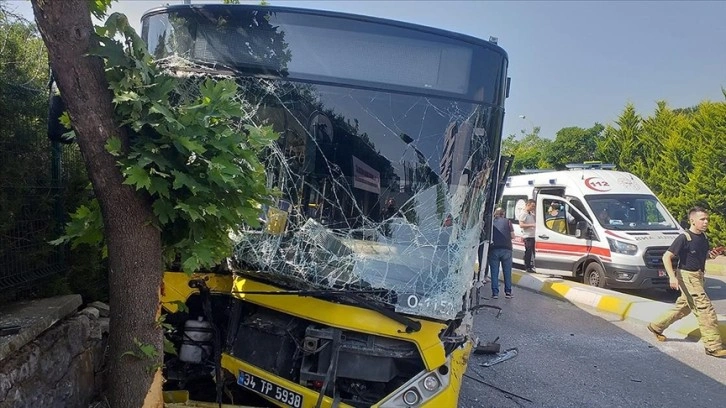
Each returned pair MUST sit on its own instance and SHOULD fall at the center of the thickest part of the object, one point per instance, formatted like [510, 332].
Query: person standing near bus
[528, 223]
[692, 250]
[500, 252]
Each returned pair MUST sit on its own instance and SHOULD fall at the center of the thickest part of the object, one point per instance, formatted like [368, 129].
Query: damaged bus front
[356, 290]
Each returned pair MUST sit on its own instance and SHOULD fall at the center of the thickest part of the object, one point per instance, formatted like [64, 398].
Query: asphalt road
[715, 287]
[570, 357]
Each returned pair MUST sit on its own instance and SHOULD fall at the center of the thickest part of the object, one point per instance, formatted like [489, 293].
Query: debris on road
[9, 330]
[510, 394]
[488, 347]
[504, 356]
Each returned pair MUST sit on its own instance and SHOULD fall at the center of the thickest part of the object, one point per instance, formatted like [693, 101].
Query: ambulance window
[557, 216]
[512, 206]
[578, 204]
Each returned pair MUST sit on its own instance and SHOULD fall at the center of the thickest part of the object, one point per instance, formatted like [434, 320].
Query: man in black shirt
[692, 250]
[500, 252]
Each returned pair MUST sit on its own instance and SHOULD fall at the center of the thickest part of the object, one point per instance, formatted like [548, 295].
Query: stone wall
[60, 368]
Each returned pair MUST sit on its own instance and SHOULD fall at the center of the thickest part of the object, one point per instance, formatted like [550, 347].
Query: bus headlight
[411, 397]
[622, 247]
[431, 383]
[420, 389]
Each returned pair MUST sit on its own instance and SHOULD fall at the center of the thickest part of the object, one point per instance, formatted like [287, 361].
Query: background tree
[706, 185]
[26, 197]
[528, 151]
[29, 190]
[667, 156]
[174, 167]
[573, 145]
[134, 243]
[620, 145]
[679, 154]
[655, 129]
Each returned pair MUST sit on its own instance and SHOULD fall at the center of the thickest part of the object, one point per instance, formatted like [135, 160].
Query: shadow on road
[570, 358]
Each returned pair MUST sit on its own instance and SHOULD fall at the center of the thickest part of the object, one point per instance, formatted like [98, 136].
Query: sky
[572, 63]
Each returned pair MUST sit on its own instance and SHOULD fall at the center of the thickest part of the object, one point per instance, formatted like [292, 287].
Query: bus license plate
[269, 389]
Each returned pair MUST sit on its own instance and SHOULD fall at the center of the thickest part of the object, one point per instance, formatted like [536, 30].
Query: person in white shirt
[527, 224]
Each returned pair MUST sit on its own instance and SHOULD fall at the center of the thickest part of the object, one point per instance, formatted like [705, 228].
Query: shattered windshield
[377, 187]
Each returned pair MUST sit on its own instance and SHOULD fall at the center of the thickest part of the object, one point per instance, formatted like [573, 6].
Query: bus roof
[378, 20]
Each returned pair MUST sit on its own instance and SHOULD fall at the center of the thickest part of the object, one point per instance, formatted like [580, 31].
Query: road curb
[619, 305]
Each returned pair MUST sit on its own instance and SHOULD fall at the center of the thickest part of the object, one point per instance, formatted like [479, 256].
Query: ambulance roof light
[532, 171]
[591, 165]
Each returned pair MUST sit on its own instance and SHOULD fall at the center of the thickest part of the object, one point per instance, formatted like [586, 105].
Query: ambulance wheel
[594, 275]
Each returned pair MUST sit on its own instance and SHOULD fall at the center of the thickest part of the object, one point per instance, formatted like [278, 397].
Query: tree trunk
[134, 244]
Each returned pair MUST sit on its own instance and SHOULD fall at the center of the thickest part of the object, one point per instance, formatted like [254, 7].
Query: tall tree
[528, 152]
[678, 153]
[667, 155]
[134, 243]
[707, 182]
[573, 145]
[190, 173]
[654, 130]
[621, 145]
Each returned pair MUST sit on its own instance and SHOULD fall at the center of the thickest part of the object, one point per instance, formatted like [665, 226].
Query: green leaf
[161, 109]
[113, 146]
[191, 264]
[85, 227]
[129, 96]
[189, 144]
[211, 209]
[260, 137]
[144, 351]
[138, 177]
[159, 186]
[99, 8]
[182, 180]
[110, 50]
[147, 350]
[169, 347]
[181, 306]
[193, 213]
[164, 211]
[65, 120]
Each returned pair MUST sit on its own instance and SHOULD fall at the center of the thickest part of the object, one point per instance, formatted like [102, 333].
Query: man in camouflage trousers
[692, 249]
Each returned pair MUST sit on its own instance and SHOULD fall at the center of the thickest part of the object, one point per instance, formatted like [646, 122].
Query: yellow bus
[357, 290]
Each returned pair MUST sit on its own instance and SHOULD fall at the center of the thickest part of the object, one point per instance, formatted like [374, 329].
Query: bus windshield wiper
[352, 296]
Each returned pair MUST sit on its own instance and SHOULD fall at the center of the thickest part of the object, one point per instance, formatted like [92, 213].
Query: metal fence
[35, 182]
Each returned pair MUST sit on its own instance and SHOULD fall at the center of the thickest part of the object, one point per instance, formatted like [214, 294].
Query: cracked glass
[385, 168]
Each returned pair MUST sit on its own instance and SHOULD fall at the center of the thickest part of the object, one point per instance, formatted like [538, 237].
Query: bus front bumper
[429, 389]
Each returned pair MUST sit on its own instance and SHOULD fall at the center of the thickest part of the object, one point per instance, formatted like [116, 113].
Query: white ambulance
[610, 229]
